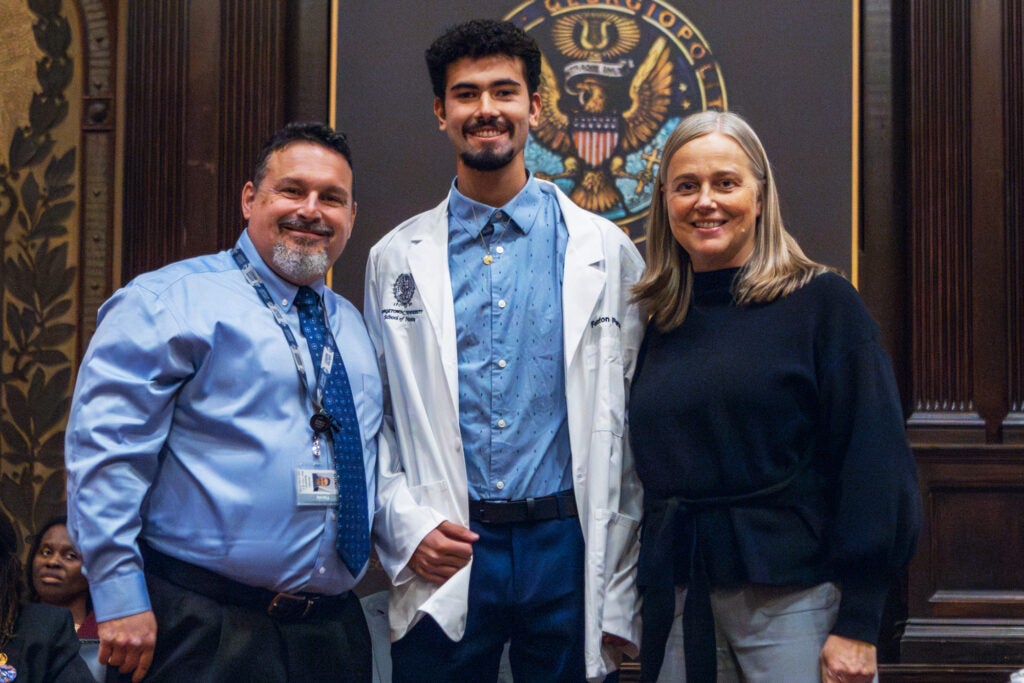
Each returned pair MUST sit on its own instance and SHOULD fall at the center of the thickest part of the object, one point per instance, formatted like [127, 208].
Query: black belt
[283, 606]
[561, 505]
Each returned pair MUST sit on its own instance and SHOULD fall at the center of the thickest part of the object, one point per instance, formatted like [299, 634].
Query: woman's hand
[844, 660]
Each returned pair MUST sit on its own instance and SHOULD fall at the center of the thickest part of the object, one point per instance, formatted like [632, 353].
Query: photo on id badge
[316, 487]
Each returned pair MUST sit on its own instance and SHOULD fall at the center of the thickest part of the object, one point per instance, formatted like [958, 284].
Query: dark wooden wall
[206, 84]
[962, 115]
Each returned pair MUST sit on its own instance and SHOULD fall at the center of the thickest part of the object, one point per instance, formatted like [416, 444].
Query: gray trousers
[764, 634]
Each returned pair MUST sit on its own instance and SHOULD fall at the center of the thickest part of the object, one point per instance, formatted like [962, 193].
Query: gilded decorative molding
[98, 109]
[98, 151]
[38, 180]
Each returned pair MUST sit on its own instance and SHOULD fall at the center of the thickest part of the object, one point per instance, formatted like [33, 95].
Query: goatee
[300, 265]
[488, 160]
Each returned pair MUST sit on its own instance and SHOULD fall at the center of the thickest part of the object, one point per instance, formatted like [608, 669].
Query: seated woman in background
[55, 576]
[780, 493]
[37, 642]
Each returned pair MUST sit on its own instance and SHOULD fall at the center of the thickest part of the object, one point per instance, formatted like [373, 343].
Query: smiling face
[713, 200]
[487, 111]
[301, 214]
[57, 569]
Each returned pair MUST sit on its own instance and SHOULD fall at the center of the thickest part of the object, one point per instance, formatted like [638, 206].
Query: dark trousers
[525, 586]
[201, 639]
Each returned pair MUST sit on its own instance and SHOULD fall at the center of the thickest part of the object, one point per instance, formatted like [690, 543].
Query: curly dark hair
[482, 38]
[10, 579]
[297, 131]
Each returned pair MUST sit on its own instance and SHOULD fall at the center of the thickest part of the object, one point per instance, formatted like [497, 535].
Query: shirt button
[500, 485]
[502, 363]
[501, 303]
[502, 423]
[500, 249]
[284, 302]
[323, 570]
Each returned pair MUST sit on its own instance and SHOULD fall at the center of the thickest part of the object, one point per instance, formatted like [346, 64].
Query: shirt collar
[280, 290]
[472, 216]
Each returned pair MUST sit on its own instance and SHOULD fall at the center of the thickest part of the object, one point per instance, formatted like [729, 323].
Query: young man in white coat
[507, 505]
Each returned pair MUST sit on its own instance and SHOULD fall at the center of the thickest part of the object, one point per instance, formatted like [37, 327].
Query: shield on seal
[595, 137]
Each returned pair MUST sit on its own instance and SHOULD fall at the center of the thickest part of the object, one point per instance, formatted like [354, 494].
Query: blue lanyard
[326, 358]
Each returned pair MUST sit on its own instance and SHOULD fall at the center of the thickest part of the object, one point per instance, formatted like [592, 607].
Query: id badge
[316, 487]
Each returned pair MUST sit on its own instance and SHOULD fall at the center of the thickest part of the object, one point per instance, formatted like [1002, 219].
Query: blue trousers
[526, 587]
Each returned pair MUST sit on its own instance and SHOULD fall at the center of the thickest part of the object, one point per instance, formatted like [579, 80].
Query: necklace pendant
[488, 259]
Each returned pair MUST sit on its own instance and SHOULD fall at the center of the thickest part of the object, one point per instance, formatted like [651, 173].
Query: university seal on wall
[616, 78]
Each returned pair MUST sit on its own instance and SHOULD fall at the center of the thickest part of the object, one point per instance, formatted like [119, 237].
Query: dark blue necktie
[353, 541]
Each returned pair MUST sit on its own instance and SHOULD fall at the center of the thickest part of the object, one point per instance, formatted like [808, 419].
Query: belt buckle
[288, 606]
[485, 512]
[489, 514]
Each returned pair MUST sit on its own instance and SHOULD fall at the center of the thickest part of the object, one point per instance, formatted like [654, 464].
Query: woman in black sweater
[780, 491]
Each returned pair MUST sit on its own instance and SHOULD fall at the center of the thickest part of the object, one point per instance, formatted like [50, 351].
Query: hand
[614, 640]
[442, 552]
[128, 643]
[844, 660]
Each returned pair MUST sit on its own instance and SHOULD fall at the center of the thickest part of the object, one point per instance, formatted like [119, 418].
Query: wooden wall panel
[939, 222]
[988, 229]
[206, 86]
[252, 104]
[946, 673]
[965, 151]
[1013, 123]
[966, 596]
[883, 259]
[154, 150]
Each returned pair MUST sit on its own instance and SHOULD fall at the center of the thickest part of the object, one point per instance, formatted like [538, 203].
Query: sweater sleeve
[873, 475]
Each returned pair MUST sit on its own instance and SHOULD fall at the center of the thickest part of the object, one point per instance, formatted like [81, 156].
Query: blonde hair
[776, 268]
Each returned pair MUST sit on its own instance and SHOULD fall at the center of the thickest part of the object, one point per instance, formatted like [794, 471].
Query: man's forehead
[486, 71]
[294, 155]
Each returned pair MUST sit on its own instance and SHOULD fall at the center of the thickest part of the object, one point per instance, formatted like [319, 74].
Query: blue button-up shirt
[508, 316]
[188, 423]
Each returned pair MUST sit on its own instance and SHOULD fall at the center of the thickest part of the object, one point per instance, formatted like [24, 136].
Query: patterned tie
[353, 540]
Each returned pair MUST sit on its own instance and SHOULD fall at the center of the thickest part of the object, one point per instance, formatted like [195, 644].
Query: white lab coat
[422, 470]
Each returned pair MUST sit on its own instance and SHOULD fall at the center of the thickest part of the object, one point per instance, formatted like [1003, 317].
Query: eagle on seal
[602, 120]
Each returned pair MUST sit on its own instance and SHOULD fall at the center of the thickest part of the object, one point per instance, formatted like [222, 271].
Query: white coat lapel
[428, 263]
[584, 276]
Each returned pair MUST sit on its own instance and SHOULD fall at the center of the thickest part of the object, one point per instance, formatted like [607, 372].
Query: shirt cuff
[121, 596]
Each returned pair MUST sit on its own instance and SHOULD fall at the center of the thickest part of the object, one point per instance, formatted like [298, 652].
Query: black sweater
[800, 392]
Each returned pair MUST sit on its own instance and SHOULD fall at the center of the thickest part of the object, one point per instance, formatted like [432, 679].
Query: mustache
[317, 228]
[498, 124]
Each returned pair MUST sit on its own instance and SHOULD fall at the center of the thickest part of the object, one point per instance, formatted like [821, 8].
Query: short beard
[488, 160]
[300, 265]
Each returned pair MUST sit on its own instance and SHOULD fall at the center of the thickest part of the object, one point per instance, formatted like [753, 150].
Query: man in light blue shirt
[204, 445]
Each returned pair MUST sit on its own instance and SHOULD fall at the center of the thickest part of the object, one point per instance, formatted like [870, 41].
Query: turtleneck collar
[714, 287]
